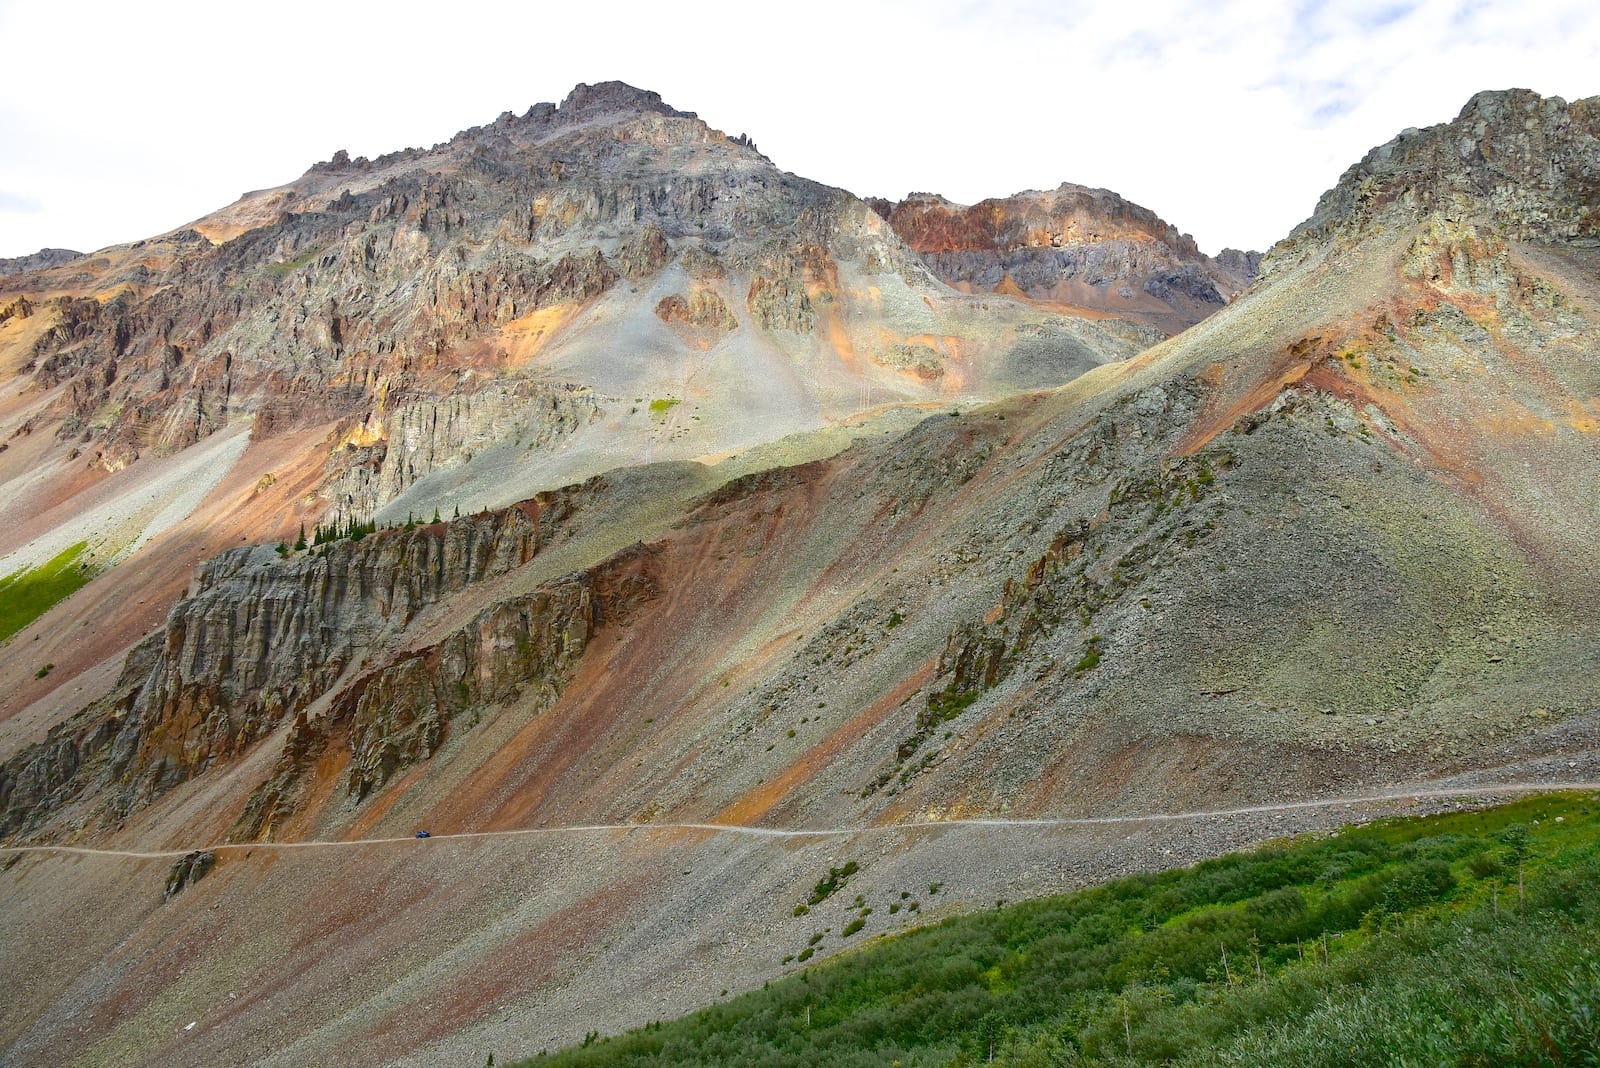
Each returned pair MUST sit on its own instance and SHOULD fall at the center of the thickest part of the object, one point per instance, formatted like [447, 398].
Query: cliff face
[417, 439]
[258, 640]
[397, 714]
[1085, 248]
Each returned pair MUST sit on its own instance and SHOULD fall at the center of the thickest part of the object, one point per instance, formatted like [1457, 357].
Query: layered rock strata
[1072, 245]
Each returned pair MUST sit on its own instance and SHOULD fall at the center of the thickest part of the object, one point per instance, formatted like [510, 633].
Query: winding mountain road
[1494, 790]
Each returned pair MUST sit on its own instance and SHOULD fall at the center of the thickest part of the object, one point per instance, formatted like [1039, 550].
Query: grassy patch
[1460, 939]
[288, 267]
[28, 594]
[662, 405]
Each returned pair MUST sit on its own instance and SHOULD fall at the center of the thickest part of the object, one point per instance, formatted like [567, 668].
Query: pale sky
[121, 120]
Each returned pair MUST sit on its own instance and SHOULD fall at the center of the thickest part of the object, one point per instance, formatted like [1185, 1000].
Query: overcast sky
[120, 120]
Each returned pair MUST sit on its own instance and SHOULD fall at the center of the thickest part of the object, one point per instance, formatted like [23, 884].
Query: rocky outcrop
[704, 309]
[416, 439]
[1068, 215]
[1518, 161]
[607, 99]
[1246, 266]
[42, 260]
[20, 308]
[400, 713]
[786, 282]
[259, 638]
[1069, 245]
[188, 870]
[645, 254]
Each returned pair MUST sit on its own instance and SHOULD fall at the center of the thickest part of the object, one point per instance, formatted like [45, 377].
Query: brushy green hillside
[28, 594]
[1468, 938]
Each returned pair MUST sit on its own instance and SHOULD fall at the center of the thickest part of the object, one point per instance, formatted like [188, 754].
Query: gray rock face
[399, 713]
[258, 639]
[1522, 162]
[42, 260]
[401, 277]
[188, 870]
[406, 270]
[424, 436]
[1246, 265]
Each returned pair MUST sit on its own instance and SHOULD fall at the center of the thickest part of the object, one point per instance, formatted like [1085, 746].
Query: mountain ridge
[1088, 250]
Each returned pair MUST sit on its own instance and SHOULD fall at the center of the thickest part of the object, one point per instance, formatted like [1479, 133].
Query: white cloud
[1229, 119]
[18, 202]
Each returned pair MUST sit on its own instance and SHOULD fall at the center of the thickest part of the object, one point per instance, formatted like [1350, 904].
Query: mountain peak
[613, 98]
[1512, 158]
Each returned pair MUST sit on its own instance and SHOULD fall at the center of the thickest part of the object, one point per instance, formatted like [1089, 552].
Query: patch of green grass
[288, 267]
[28, 594]
[1468, 938]
[948, 703]
[662, 405]
[1091, 655]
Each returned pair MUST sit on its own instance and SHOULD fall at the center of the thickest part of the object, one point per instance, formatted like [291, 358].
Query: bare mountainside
[611, 245]
[1333, 542]
[536, 301]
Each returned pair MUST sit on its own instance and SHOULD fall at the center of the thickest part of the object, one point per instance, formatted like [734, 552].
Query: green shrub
[836, 878]
[1258, 958]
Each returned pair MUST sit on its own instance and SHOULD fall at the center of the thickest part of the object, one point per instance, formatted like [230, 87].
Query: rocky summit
[664, 533]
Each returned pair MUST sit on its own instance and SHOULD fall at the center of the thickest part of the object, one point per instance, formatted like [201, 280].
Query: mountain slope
[1330, 542]
[536, 301]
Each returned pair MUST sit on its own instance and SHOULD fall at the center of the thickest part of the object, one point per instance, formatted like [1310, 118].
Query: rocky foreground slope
[1336, 540]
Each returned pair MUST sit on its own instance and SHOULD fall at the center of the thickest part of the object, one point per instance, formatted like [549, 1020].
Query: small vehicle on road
[424, 834]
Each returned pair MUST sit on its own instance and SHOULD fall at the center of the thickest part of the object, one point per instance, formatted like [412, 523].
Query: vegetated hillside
[1086, 250]
[1334, 541]
[1459, 939]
